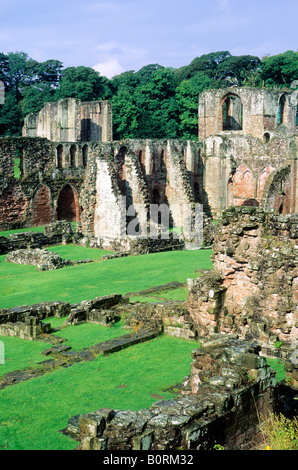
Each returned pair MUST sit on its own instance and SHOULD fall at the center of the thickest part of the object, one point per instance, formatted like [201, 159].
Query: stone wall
[2, 93]
[253, 288]
[32, 187]
[73, 312]
[96, 183]
[229, 386]
[263, 111]
[44, 260]
[54, 234]
[70, 120]
[30, 329]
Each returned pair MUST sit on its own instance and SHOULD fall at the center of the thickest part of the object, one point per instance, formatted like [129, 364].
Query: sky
[114, 36]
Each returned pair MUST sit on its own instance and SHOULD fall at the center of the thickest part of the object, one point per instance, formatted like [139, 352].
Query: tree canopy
[156, 101]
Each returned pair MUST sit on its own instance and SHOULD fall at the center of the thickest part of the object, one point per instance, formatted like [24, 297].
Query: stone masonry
[253, 289]
[228, 385]
[246, 156]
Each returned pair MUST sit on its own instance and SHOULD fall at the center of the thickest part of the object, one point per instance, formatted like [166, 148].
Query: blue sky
[118, 35]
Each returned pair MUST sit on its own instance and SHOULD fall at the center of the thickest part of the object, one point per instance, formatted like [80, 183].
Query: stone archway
[277, 192]
[67, 205]
[41, 206]
[263, 178]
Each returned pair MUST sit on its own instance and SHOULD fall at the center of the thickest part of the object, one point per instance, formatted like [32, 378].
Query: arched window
[282, 110]
[266, 137]
[72, 156]
[59, 156]
[85, 154]
[232, 113]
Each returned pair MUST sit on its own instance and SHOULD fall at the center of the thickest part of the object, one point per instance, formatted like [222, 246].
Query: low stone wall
[134, 245]
[30, 329]
[229, 386]
[44, 260]
[73, 312]
[54, 234]
[95, 311]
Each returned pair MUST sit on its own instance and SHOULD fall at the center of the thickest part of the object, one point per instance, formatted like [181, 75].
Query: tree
[281, 69]
[187, 96]
[10, 116]
[239, 68]
[207, 63]
[49, 73]
[83, 83]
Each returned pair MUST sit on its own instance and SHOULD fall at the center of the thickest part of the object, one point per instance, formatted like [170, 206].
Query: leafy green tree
[187, 96]
[10, 116]
[281, 69]
[207, 63]
[21, 72]
[83, 83]
[239, 68]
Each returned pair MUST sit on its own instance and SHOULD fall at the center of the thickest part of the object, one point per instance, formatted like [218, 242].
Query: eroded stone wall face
[31, 183]
[237, 168]
[13, 204]
[2, 93]
[262, 110]
[253, 289]
[41, 210]
[70, 120]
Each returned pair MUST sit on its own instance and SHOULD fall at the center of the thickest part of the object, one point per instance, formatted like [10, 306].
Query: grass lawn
[33, 412]
[6, 233]
[179, 294]
[20, 354]
[24, 285]
[76, 252]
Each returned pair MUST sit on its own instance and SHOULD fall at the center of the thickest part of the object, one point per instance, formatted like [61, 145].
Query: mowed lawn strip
[24, 285]
[33, 412]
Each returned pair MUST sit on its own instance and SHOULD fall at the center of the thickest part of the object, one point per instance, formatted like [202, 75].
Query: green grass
[20, 354]
[33, 412]
[6, 233]
[24, 285]
[39, 229]
[278, 367]
[161, 296]
[87, 334]
[76, 252]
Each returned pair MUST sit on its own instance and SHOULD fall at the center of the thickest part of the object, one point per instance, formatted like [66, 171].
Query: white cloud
[109, 68]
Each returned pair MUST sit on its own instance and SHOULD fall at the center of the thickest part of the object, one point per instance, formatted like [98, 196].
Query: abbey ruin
[71, 169]
[243, 171]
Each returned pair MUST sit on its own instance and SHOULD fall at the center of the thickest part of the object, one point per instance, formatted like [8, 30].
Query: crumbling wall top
[2, 93]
